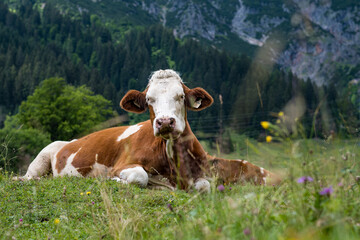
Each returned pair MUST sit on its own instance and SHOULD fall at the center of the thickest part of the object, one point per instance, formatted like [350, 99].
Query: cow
[163, 145]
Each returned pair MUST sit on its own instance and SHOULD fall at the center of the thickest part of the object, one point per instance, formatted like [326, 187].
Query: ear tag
[136, 104]
[196, 104]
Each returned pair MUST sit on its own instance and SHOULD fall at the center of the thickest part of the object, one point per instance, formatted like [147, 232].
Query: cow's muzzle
[166, 126]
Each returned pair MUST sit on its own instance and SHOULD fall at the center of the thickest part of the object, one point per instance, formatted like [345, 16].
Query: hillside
[316, 37]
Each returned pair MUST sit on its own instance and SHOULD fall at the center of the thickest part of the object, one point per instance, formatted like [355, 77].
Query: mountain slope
[317, 37]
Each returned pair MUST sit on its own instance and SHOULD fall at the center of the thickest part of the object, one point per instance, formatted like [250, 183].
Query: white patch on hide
[69, 169]
[264, 179]
[44, 160]
[202, 185]
[136, 175]
[262, 171]
[129, 131]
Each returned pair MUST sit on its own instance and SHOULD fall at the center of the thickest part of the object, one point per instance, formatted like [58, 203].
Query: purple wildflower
[305, 179]
[221, 188]
[92, 203]
[21, 220]
[247, 231]
[170, 207]
[326, 191]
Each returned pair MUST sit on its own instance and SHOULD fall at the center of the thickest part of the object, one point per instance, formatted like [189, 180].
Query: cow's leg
[202, 185]
[41, 165]
[134, 174]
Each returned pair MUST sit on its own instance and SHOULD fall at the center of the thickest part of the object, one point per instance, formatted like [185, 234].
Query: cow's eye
[150, 100]
[180, 97]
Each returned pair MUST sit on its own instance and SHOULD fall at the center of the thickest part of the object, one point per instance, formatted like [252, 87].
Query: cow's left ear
[198, 99]
[134, 101]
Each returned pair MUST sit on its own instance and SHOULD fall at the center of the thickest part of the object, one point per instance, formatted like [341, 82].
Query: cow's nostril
[172, 122]
[159, 123]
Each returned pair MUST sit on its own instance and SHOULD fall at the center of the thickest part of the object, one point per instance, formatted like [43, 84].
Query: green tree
[18, 145]
[62, 110]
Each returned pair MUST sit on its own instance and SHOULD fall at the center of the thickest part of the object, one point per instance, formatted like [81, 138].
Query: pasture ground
[90, 208]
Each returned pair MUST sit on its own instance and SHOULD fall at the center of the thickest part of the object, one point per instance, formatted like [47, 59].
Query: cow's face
[167, 99]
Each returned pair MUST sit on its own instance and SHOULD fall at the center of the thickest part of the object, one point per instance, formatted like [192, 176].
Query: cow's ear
[134, 101]
[198, 99]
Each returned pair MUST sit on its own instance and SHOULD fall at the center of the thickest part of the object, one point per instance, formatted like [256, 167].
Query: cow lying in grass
[163, 145]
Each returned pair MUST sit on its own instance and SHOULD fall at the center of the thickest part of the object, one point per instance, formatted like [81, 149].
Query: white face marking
[166, 96]
[262, 171]
[129, 131]
[69, 169]
[135, 175]
[244, 162]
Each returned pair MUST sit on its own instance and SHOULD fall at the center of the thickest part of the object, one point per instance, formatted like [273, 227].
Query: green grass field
[90, 208]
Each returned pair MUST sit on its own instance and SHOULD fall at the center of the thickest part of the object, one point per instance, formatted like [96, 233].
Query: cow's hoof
[202, 185]
[136, 175]
[17, 179]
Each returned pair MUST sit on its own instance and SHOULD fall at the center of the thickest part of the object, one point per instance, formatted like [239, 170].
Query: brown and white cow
[163, 145]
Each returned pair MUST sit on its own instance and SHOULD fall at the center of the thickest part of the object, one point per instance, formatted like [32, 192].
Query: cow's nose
[165, 124]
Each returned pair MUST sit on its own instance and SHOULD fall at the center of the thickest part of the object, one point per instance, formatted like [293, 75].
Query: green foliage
[18, 145]
[62, 110]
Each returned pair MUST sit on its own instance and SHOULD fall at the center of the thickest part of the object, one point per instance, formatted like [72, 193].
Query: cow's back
[92, 155]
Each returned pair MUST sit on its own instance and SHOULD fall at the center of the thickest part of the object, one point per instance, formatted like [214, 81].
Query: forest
[39, 42]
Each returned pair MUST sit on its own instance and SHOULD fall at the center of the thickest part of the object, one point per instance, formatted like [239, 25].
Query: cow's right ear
[134, 101]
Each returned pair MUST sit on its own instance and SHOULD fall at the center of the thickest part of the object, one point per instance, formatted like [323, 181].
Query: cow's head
[167, 98]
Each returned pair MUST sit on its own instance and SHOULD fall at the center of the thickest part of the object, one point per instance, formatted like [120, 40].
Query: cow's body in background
[163, 145]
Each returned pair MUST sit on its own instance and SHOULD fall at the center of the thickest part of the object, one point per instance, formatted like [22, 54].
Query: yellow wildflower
[56, 221]
[268, 138]
[88, 193]
[280, 114]
[265, 124]
[81, 193]
[278, 121]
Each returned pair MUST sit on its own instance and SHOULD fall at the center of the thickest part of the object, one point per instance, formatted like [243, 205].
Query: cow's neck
[183, 160]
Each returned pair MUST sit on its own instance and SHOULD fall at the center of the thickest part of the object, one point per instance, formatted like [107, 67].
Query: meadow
[318, 199]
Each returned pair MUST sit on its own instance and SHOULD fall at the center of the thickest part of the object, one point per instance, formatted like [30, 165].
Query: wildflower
[81, 193]
[305, 179]
[326, 191]
[247, 231]
[20, 220]
[278, 121]
[265, 124]
[56, 221]
[280, 114]
[170, 207]
[93, 203]
[268, 139]
[221, 188]
[88, 193]
[357, 178]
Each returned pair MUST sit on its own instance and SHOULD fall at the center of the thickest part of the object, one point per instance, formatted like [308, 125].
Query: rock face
[317, 36]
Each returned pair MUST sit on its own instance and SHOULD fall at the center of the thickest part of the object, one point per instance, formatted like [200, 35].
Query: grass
[93, 208]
